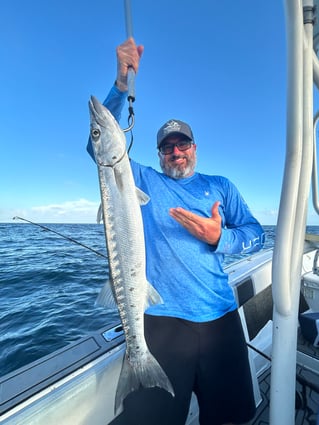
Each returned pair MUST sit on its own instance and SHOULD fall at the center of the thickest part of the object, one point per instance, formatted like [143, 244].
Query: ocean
[48, 288]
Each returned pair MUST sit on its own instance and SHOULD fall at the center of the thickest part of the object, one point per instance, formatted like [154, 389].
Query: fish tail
[146, 374]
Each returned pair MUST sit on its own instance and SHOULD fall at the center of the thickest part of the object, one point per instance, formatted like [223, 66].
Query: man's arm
[241, 232]
[128, 55]
[203, 228]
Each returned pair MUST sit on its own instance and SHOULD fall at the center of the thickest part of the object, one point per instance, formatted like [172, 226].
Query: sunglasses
[168, 148]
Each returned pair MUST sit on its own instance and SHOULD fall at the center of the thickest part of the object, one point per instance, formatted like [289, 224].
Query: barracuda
[123, 226]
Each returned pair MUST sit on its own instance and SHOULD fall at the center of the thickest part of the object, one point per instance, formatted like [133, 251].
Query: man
[191, 221]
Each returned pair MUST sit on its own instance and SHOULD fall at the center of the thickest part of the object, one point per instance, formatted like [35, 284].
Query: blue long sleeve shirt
[187, 272]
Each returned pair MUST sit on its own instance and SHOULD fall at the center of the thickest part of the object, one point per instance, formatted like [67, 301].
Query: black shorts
[210, 359]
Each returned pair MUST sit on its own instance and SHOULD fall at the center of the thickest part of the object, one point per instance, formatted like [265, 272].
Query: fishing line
[62, 236]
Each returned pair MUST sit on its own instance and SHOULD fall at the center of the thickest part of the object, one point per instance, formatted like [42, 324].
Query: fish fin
[99, 215]
[106, 297]
[142, 197]
[146, 373]
[153, 297]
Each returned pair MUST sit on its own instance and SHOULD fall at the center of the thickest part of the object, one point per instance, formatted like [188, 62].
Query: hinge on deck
[315, 267]
[113, 333]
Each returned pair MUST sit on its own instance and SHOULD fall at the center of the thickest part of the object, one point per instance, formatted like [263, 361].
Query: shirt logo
[172, 126]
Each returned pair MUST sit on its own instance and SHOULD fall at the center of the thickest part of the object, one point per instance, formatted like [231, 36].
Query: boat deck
[307, 388]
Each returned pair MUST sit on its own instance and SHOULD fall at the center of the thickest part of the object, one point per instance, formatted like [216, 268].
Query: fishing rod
[258, 351]
[131, 72]
[60, 234]
[130, 75]
[302, 380]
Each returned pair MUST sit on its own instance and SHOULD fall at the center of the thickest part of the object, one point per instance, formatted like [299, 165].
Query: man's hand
[206, 229]
[128, 55]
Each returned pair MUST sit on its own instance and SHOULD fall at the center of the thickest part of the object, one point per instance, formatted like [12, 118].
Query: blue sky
[220, 66]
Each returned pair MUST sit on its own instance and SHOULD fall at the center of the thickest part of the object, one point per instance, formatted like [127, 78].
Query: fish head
[108, 140]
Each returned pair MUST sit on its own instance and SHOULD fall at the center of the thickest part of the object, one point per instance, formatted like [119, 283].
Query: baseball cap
[174, 127]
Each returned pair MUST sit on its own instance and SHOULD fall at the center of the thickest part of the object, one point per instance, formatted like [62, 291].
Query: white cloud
[78, 211]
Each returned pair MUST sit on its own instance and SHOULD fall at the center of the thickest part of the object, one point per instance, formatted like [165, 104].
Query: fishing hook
[131, 118]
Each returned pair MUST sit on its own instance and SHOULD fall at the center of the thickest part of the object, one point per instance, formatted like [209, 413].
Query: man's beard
[179, 171]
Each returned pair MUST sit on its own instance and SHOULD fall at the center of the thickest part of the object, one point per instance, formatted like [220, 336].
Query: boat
[277, 291]
[76, 384]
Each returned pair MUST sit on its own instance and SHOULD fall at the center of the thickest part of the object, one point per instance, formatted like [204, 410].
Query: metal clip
[131, 119]
[309, 16]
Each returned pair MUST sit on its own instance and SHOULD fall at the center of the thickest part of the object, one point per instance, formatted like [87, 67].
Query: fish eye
[95, 133]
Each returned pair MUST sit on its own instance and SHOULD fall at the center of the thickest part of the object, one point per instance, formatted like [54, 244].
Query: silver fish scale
[125, 243]
[126, 252]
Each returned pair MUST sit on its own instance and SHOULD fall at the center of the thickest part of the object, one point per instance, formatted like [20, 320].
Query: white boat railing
[315, 201]
[315, 166]
[291, 225]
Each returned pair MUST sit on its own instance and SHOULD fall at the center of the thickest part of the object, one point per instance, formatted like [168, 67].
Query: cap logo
[171, 126]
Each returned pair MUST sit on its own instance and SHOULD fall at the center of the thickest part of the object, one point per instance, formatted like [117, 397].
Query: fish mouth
[96, 110]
